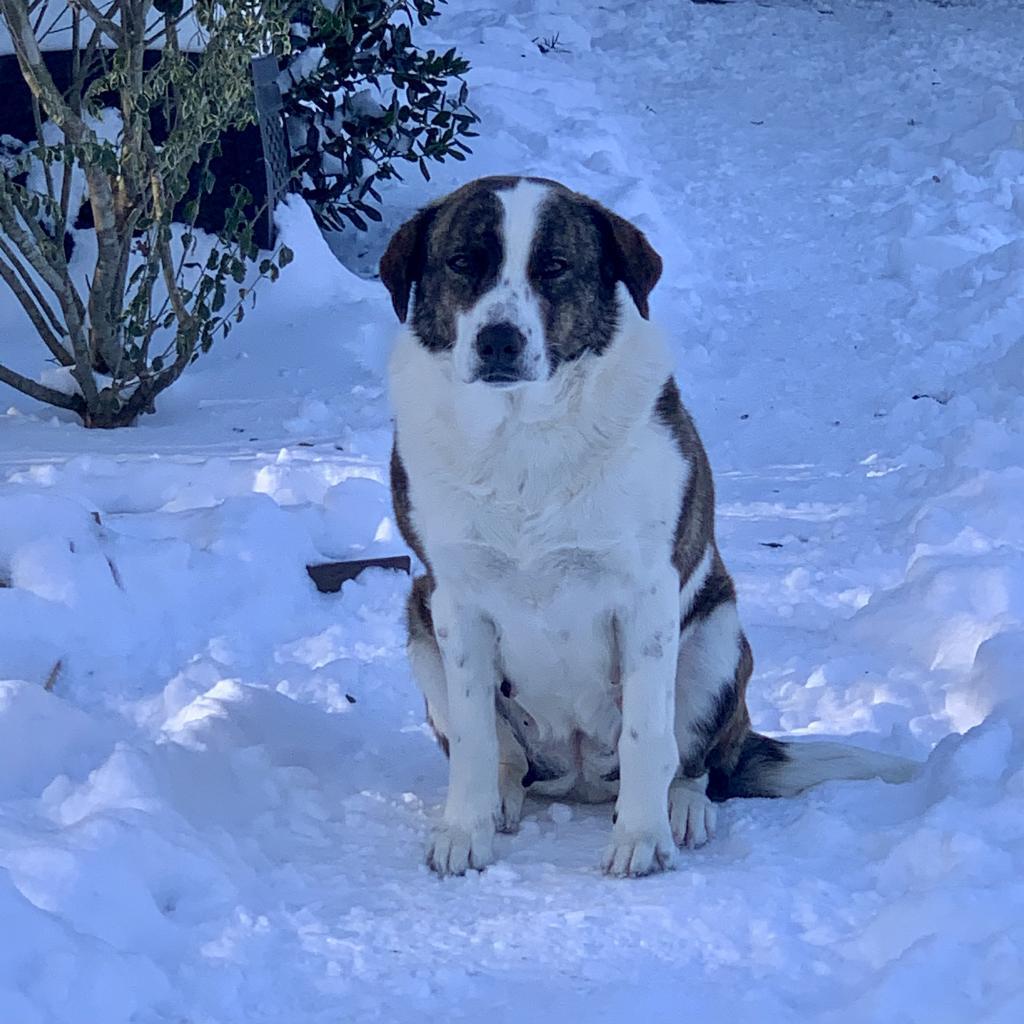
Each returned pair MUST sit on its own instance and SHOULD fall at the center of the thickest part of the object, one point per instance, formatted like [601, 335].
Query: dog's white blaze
[511, 300]
[520, 206]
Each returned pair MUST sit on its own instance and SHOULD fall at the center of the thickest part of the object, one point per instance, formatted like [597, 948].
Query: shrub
[153, 296]
[360, 99]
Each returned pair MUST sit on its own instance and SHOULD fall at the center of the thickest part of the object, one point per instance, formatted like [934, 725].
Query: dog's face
[516, 277]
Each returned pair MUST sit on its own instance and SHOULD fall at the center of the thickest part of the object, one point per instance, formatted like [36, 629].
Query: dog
[575, 631]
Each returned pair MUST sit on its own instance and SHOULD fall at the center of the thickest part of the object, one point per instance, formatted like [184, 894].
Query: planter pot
[256, 157]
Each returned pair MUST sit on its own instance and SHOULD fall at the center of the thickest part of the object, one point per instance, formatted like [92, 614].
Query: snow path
[200, 825]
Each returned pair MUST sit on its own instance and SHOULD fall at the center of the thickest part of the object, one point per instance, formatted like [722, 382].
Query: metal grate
[276, 158]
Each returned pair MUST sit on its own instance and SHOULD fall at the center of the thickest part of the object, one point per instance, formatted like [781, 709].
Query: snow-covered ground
[215, 814]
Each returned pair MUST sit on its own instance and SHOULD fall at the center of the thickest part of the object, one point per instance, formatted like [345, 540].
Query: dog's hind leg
[512, 768]
[711, 718]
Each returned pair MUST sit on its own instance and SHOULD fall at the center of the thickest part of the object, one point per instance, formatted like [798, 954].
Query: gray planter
[276, 159]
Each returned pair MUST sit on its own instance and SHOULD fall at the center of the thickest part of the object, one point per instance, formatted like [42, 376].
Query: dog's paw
[692, 815]
[512, 796]
[632, 854]
[453, 849]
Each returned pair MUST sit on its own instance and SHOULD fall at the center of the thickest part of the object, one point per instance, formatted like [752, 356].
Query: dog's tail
[769, 767]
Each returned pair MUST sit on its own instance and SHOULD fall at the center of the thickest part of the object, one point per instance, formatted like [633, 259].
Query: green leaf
[422, 97]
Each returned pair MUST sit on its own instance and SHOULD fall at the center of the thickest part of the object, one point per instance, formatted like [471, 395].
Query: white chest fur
[549, 507]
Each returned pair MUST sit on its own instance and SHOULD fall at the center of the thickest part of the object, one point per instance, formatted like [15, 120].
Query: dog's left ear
[632, 258]
[403, 261]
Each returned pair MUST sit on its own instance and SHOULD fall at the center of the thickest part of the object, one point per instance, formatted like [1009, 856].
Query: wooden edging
[329, 576]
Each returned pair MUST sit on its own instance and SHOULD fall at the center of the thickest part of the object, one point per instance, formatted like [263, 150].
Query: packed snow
[215, 782]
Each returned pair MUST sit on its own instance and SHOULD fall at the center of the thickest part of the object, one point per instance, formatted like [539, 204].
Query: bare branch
[29, 281]
[101, 195]
[45, 242]
[37, 117]
[51, 679]
[40, 392]
[44, 255]
[101, 199]
[74, 95]
[19, 279]
[36, 74]
[32, 310]
[64, 290]
[113, 31]
[27, 242]
[83, 63]
[181, 312]
[41, 7]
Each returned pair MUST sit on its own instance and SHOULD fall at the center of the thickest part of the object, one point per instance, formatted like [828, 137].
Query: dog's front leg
[648, 643]
[465, 838]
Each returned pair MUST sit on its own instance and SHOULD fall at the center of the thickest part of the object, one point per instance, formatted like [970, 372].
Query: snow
[216, 812]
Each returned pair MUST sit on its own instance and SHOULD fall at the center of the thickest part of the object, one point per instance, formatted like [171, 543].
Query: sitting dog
[575, 632]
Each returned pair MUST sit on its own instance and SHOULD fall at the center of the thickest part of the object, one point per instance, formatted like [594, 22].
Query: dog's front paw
[454, 849]
[692, 814]
[633, 853]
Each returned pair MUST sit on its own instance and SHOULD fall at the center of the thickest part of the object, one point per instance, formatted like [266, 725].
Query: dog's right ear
[403, 261]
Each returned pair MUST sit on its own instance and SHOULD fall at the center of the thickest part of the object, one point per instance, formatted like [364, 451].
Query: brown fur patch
[420, 624]
[720, 736]
[757, 755]
[730, 745]
[402, 504]
[718, 588]
[402, 264]
[634, 261]
[418, 617]
[695, 527]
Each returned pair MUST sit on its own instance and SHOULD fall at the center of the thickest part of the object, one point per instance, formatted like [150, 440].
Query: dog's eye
[553, 266]
[460, 263]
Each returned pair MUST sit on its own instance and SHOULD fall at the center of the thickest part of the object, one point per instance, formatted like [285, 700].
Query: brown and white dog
[575, 632]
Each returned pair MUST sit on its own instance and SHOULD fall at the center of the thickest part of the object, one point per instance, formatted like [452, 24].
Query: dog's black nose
[499, 348]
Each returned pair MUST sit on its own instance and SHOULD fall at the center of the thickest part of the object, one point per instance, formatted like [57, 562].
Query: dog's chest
[551, 550]
[538, 512]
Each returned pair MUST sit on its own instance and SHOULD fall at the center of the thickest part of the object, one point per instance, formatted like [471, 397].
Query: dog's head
[516, 277]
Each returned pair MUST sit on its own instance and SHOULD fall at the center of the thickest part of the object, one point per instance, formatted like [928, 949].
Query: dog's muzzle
[499, 354]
